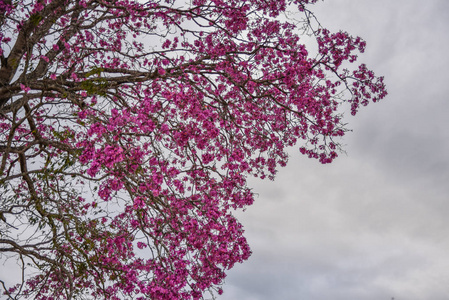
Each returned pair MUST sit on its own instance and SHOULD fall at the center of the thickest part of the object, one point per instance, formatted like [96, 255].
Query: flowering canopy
[128, 129]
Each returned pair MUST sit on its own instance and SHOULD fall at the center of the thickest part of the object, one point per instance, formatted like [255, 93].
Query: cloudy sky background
[374, 224]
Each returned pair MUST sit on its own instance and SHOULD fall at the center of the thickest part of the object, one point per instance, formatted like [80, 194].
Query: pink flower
[24, 88]
[141, 245]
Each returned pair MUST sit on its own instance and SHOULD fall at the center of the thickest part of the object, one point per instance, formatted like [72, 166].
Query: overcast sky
[374, 224]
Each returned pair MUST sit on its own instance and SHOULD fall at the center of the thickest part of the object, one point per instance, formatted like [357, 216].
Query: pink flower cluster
[147, 148]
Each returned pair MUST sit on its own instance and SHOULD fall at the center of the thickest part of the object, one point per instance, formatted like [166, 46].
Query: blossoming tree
[128, 130]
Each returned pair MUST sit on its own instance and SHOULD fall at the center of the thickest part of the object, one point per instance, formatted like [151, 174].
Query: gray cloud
[373, 225]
